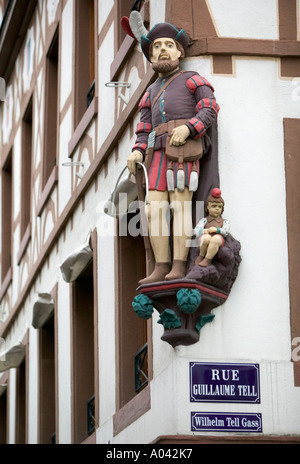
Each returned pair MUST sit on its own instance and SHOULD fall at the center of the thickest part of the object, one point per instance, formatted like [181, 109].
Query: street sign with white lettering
[225, 422]
[219, 382]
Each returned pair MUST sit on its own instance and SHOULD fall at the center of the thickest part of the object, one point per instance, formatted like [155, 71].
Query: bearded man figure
[177, 109]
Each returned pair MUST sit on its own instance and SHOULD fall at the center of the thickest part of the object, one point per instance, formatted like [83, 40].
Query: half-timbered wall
[66, 130]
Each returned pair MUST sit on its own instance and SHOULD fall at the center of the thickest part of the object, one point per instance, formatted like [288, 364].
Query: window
[3, 416]
[51, 109]
[47, 382]
[132, 330]
[85, 57]
[21, 404]
[84, 405]
[6, 215]
[26, 168]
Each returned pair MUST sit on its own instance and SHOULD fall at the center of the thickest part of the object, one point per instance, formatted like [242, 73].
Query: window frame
[51, 120]
[130, 404]
[44, 379]
[75, 433]
[85, 63]
[6, 219]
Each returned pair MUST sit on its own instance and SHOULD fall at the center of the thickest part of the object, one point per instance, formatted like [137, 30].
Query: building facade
[77, 364]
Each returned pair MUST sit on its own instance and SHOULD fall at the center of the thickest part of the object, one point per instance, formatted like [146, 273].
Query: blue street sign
[219, 382]
[225, 422]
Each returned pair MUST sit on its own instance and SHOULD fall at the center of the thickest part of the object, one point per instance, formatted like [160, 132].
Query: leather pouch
[192, 150]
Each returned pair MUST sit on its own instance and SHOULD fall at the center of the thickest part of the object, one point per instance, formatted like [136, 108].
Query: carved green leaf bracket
[188, 300]
[204, 320]
[169, 319]
[143, 306]
[184, 307]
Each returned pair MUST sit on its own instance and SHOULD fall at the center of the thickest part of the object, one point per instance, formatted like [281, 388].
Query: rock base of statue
[224, 269]
[185, 305]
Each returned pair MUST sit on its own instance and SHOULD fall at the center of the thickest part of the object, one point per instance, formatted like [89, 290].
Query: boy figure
[212, 229]
[184, 109]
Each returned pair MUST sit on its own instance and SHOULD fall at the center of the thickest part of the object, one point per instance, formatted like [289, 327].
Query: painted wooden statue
[212, 229]
[175, 114]
[177, 140]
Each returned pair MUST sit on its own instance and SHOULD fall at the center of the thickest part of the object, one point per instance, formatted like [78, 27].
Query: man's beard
[165, 66]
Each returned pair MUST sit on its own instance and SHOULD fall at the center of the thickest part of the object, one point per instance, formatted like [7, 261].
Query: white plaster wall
[157, 12]
[278, 406]
[106, 228]
[106, 318]
[161, 419]
[133, 79]
[7, 113]
[250, 19]
[253, 179]
[33, 391]
[106, 95]
[16, 283]
[17, 164]
[171, 407]
[64, 172]
[64, 366]
[253, 325]
[28, 57]
[252, 176]
[16, 202]
[19, 327]
[38, 105]
[16, 336]
[48, 219]
[18, 85]
[12, 406]
[83, 156]
[104, 8]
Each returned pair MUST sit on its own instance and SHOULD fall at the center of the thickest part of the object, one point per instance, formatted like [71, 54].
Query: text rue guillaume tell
[230, 389]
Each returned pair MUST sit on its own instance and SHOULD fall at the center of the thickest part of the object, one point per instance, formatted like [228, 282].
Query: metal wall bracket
[75, 163]
[116, 84]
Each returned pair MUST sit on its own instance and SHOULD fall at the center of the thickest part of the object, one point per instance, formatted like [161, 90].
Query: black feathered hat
[134, 26]
[163, 30]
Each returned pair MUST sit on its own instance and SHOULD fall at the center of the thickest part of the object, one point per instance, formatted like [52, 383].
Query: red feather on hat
[126, 26]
